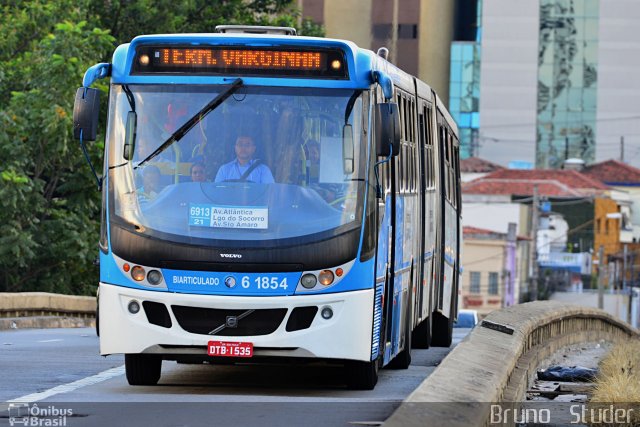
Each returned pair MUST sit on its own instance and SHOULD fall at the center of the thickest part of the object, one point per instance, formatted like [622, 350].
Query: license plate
[230, 349]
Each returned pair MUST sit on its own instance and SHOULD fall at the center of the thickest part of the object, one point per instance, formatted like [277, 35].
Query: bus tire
[442, 330]
[361, 375]
[97, 320]
[421, 337]
[142, 369]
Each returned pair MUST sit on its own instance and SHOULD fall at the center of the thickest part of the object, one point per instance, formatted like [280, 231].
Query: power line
[608, 119]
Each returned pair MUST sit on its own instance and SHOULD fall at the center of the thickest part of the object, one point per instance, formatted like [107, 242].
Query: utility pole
[601, 277]
[632, 282]
[300, 16]
[625, 254]
[394, 34]
[534, 249]
[625, 285]
[622, 148]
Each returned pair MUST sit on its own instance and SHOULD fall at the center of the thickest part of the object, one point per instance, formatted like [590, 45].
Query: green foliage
[49, 221]
[48, 224]
[126, 20]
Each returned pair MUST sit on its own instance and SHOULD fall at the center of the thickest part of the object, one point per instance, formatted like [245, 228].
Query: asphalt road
[61, 372]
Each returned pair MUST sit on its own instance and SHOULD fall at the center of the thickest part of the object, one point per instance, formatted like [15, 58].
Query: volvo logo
[232, 322]
[231, 256]
[230, 281]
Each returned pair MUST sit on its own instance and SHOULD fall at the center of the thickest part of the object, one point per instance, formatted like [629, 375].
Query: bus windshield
[267, 163]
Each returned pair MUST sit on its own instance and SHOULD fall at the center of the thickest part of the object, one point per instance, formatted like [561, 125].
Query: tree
[49, 222]
[127, 19]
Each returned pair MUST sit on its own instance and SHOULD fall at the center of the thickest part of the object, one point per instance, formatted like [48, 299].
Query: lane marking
[59, 339]
[66, 388]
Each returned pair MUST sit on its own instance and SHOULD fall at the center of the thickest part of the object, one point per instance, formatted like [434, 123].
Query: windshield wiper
[182, 131]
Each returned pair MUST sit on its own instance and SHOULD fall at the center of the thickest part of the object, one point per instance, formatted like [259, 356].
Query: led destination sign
[295, 62]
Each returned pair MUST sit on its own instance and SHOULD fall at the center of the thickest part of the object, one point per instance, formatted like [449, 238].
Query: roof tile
[554, 183]
[613, 171]
[476, 164]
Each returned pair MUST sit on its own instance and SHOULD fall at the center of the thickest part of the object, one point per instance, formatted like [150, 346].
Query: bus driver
[245, 167]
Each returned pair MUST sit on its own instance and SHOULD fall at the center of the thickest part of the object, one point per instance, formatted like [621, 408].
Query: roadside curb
[40, 304]
[45, 322]
[493, 363]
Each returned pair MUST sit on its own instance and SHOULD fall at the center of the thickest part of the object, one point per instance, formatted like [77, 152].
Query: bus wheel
[442, 330]
[361, 375]
[421, 337]
[98, 320]
[142, 369]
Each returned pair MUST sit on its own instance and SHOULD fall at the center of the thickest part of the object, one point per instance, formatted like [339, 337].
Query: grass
[618, 379]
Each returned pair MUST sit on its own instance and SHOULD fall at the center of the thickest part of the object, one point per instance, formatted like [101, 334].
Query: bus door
[423, 272]
[386, 258]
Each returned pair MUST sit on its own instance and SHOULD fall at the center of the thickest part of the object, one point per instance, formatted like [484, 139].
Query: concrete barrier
[42, 310]
[499, 357]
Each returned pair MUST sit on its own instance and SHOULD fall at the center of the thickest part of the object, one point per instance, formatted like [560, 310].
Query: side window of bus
[430, 151]
[452, 173]
[445, 160]
[401, 162]
[456, 162]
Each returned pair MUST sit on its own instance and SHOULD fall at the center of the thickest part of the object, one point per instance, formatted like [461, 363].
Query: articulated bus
[342, 242]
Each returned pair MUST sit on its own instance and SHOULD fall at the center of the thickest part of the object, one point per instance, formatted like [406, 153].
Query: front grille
[157, 313]
[301, 318]
[205, 321]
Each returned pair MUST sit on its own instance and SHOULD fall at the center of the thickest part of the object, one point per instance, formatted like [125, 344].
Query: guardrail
[496, 361]
[45, 310]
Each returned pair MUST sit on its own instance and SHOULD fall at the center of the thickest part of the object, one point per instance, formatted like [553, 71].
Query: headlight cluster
[316, 280]
[139, 274]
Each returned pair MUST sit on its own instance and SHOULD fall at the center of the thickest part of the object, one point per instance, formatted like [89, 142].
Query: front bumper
[347, 335]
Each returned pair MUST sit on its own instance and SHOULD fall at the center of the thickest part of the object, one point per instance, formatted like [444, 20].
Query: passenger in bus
[197, 172]
[245, 167]
[150, 184]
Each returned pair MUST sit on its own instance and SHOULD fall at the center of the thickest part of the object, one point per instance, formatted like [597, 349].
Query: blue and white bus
[348, 253]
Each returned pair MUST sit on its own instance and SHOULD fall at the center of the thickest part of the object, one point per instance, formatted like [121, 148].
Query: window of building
[474, 283]
[493, 283]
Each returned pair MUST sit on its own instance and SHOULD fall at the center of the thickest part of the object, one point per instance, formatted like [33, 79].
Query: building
[624, 178]
[554, 79]
[624, 255]
[419, 45]
[584, 204]
[464, 84]
[491, 268]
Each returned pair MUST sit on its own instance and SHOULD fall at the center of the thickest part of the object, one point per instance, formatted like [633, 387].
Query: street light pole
[534, 249]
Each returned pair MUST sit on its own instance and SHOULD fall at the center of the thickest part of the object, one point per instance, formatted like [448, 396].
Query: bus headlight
[154, 277]
[308, 281]
[326, 277]
[138, 273]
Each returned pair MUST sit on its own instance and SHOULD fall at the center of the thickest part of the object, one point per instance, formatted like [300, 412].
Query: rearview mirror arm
[375, 171]
[86, 156]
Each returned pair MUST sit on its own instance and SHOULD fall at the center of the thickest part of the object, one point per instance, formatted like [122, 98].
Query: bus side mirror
[387, 129]
[85, 113]
[347, 149]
